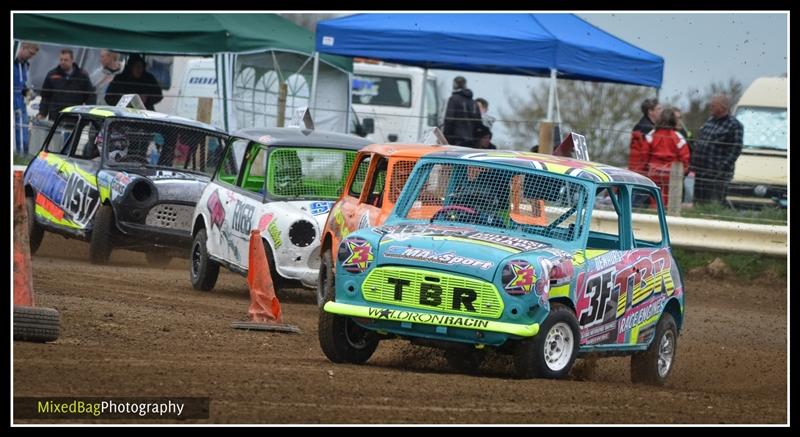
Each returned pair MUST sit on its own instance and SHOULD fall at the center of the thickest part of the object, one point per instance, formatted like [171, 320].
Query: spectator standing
[482, 138]
[462, 114]
[637, 160]
[717, 148]
[665, 146]
[102, 77]
[21, 89]
[64, 86]
[483, 107]
[134, 79]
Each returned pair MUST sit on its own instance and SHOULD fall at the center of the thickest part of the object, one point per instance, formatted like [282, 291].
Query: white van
[761, 174]
[388, 101]
[199, 80]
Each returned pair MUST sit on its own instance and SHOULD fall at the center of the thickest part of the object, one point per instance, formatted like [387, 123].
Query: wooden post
[204, 107]
[282, 91]
[546, 137]
[675, 188]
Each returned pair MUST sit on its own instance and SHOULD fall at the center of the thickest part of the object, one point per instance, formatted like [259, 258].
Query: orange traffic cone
[23, 293]
[265, 310]
[34, 324]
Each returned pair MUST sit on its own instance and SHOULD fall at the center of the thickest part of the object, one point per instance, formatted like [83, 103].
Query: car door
[245, 200]
[370, 203]
[350, 205]
[220, 204]
[81, 195]
[605, 269]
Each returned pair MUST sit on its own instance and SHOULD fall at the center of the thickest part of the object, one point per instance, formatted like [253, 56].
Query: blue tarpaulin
[523, 44]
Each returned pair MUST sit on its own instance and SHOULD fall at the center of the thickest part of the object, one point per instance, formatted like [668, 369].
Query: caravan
[761, 174]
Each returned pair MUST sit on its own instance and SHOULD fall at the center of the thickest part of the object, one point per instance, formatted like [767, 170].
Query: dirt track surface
[131, 330]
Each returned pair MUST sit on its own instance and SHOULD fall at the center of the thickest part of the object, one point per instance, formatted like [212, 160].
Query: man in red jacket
[637, 160]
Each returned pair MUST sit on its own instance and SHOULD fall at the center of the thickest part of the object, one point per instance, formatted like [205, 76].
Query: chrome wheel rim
[666, 352]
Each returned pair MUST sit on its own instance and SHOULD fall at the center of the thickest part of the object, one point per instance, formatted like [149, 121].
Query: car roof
[591, 171]
[140, 114]
[295, 137]
[407, 150]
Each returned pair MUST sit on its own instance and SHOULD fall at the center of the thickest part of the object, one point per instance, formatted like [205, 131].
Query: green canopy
[172, 34]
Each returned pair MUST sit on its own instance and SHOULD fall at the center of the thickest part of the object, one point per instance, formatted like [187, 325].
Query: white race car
[281, 181]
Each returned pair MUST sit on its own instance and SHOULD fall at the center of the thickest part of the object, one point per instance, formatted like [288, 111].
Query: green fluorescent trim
[560, 291]
[431, 319]
[49, 217]
[101, 112]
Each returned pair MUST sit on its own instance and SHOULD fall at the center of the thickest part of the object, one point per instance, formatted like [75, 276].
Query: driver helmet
[117, 146]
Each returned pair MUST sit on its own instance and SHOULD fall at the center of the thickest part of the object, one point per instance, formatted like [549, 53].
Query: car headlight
[355, 255]
[519, 277]
[760, 190]
[302, 233]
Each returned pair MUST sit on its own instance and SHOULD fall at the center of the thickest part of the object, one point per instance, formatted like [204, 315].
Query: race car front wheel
[550, 353]
[100, 245]
[343, 341]
[654, 365]
[35, 232]
[203, 271]
[326, 285]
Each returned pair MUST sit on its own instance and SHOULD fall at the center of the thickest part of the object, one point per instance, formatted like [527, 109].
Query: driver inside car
[483, 200]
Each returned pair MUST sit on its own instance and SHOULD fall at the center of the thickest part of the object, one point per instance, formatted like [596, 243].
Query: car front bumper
[444, 320]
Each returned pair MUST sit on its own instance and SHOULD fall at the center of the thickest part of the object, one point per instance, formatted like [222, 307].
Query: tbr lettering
[431, 294]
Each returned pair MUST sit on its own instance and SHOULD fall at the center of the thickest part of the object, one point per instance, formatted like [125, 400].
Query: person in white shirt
[109, 67]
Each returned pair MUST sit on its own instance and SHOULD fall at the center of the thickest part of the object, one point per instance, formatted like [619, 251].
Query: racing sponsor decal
[275, 233]
[641, 315]
[356, 255]
[216, 210]
[340, 224]
[80, 200]
[519, 277]
[264, 221]
[242, 221]
[447, 258]
[364, 221]
[430, 319]
[318, 208]
[621, 293]
[118, 184]
[405, 232]
[49, 206]
[46, 180]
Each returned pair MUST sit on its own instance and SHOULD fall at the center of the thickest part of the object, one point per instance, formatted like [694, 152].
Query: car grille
[377, 288]
[166, 215]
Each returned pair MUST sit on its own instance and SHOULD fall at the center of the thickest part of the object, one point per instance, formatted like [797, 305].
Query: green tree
[603, 112]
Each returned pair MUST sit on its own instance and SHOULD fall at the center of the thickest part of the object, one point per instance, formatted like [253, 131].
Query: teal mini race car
[532, 255]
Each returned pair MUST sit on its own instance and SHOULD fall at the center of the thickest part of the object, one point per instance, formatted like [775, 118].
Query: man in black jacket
[135, 80]
[64, 86]
[462, 116]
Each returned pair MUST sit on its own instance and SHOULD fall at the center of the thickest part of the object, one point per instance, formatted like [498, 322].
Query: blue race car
[533, 255]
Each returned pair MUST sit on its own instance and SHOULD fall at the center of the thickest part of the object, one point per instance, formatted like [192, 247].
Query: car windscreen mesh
[308, 173]
[526, 201]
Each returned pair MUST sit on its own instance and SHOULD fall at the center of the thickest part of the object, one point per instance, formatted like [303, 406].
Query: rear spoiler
[574, 146]
[130, 101]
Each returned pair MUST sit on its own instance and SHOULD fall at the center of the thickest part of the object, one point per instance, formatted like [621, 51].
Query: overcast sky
[698, 49]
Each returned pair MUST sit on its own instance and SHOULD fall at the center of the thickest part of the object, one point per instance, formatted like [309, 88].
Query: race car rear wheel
[157, 259]
[326, 285]
[654, 365]
[35, 232]
[100, 245]
[343, 341]
[203, 271]
[551, 353]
